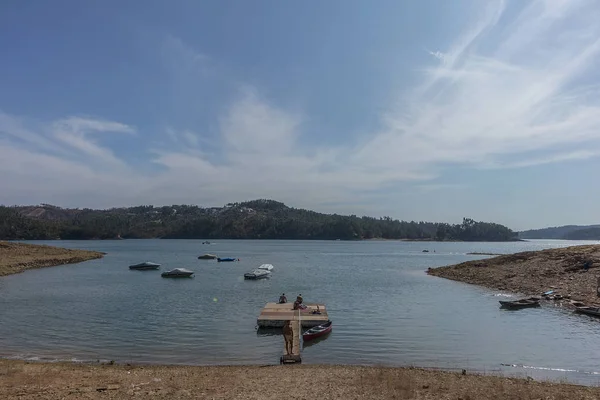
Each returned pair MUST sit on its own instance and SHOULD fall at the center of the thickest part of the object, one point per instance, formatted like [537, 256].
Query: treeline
[258, 219]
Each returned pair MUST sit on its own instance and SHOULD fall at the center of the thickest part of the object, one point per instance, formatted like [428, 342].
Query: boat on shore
[226, 259]
[178, 273]
[517, 304]
[207, 257]
[317, 331]
[144, 266]
[593, 311]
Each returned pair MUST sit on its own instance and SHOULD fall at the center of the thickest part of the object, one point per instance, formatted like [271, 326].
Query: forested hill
[573, 232]
[258, 219]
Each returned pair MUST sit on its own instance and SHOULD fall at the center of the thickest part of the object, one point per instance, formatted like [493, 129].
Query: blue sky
[424, 110]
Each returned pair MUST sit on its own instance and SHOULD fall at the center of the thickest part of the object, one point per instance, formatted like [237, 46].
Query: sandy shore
[534, 272]
[22, 380]
[18, 257]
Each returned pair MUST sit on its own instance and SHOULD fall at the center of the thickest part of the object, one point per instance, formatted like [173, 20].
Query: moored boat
[144, 266]
[177, 273]
[207, 257]
[593, 311]
[317, 331]
[257, 274]
[226, 259]
[516, 304]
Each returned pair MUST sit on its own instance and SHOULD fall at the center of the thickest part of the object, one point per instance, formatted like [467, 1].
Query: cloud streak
[508, 95]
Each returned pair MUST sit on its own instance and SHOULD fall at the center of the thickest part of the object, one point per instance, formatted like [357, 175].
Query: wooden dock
[275, 315]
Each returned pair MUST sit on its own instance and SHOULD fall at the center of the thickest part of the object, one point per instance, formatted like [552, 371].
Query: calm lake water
[385, 309]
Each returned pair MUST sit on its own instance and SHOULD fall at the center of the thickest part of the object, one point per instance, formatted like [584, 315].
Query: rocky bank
[535, 272]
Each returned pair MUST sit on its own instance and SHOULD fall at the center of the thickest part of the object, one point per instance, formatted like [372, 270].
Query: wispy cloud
[511, 94]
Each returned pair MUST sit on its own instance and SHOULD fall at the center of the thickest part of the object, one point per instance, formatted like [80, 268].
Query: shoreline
[533, 273]
[21, 379]
[19, 257]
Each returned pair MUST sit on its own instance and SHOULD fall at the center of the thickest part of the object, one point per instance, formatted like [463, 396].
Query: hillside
[563, 232]
[584, 234]
[257, 219]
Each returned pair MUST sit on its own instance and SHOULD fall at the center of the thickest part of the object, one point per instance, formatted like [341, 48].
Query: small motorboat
[207, 257]
[227, 259]
[144, 266]
[317, 331]
[523, 303]
[178, 273]
[257, 274]
[266, 267]
[593, 311]
[206, 242]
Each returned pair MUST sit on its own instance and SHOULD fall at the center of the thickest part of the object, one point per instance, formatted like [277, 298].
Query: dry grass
[534, 272]
[21, 380]
[18, 257]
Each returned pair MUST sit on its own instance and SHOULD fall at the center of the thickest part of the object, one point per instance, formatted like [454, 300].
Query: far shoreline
[258, 239]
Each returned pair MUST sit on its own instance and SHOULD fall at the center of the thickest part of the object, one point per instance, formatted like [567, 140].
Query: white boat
[144, 266]
[257, 274]
[266, 267]
[177, 273]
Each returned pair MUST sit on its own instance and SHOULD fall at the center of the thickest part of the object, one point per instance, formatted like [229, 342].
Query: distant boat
[257, 274]
[206, 242]
[144, 266]
[207, 257]
[267, 267]
[593, 311]
[178, 273]
[227, 259]
[317, 331]
[425, 251]
[517, 304]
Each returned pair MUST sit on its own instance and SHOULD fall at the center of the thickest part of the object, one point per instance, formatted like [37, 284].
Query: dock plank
[274, 315]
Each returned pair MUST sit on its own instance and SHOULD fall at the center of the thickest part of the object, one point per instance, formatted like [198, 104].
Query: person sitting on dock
[288, 336]
[282, 299]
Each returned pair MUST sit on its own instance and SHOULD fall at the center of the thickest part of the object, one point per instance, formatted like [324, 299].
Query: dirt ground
[18, 257]
[535, 272]
[22, 380]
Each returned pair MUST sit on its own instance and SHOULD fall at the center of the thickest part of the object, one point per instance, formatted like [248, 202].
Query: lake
[385, 309]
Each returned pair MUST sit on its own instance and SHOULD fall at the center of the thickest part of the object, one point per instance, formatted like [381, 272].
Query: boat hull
[253, 277]
[514, 305]
[592, 311]
[226, 259]
[308, 335]
[144, 268]
[166, 275]
[207, 257]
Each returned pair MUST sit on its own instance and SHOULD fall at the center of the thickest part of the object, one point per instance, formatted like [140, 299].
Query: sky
[419, 110]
